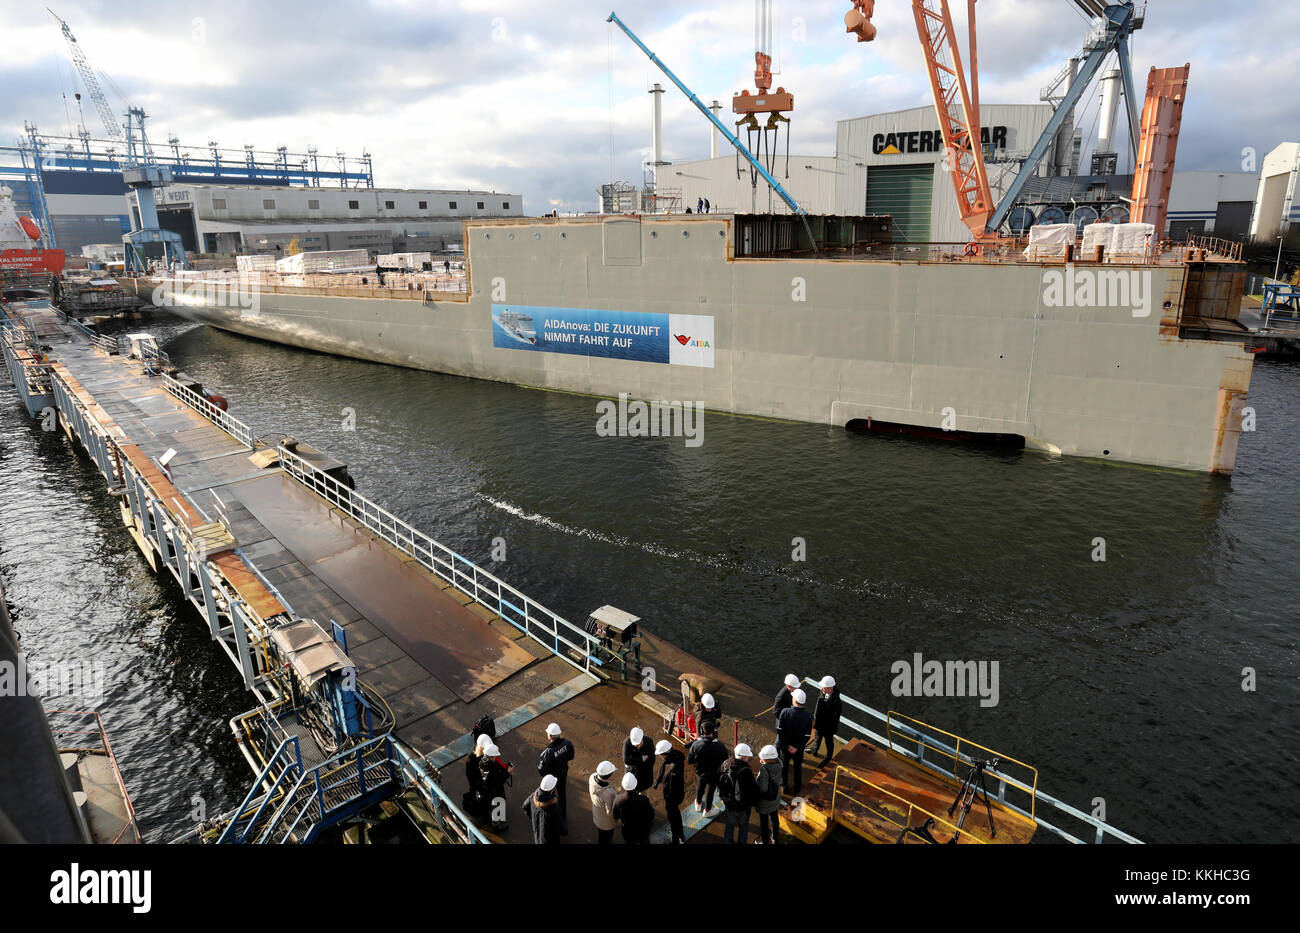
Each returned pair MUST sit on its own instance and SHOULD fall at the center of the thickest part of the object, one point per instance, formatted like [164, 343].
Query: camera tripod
[972, 789]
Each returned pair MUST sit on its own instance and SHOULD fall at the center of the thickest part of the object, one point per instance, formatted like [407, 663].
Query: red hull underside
[33, 260]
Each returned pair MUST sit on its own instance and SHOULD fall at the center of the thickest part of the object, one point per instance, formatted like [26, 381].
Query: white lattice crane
[111, 126]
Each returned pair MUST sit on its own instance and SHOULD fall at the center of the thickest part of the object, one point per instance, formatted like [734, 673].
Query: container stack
[405, 262]
[327, 261]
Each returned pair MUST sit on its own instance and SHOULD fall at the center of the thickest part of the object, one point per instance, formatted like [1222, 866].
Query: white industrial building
[893, 163]
[262, 218]
[1277, 205]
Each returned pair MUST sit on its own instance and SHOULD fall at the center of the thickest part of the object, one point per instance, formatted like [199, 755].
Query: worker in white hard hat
[792, 730]
[543, 809]
[472, 801]
[826, 718]
[782, 701]
[554, 760]
[672, 778]
[708, 710]
[769, 794]
[602, 801]
[496, 772]
[739, 793]
[635, 811]
[639, 756]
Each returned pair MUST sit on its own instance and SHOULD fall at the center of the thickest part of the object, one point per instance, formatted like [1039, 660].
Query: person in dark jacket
[708, 710]
[543, 809]
[792, 731]
[782, 701]
[707, 754]
[474, 774]
[826, 718]
[639, 757]
[769, 795]
[672, 779]
[495, 774]
[739, 793]
[554, 760]
[635, 811]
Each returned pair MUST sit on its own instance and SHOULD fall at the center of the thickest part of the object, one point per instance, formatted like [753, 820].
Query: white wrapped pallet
[258, 262]
[338, 260]
[1101, 233]
[1048, 241]
[1132, 241]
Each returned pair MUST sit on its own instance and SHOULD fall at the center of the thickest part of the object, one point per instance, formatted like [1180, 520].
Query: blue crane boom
[699, 104]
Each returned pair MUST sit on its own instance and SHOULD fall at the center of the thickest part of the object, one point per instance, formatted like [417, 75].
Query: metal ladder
[291, 803]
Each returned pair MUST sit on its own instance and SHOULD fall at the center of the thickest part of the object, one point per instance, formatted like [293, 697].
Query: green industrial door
[903, 192]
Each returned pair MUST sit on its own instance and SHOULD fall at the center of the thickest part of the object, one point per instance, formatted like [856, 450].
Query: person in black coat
[543, 809]
[708, 710]
[554, 760]
[707, 754]
[635, 811]
[782, 701]
[792, 731]
[672, 779]
[496, 774]
[826, 718]
[639, 757]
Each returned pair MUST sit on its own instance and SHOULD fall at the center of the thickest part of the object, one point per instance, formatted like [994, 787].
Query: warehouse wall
[811, 183]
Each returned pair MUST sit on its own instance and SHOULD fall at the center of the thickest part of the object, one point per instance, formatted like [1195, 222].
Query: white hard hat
[636, 735]
[707, 701]
[791, 681]
[491, 750]
[549, 782]
[744, 751]
[663, 746]
[605, 769]
[800, 698]
[768, 753]
[553, 729]
[629, 781]
[827, 682]
[484, 740]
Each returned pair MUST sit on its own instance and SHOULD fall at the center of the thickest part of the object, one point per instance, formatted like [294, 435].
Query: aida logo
[686, 341]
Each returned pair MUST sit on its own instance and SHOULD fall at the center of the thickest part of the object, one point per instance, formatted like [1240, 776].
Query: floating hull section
[659, 308]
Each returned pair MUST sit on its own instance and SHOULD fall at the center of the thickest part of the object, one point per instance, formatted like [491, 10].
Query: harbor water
[1157, 686]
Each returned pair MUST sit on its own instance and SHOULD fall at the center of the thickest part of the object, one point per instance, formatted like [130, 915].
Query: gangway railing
[855, 781]
[547, 628]
[894, 724]
[222, 419]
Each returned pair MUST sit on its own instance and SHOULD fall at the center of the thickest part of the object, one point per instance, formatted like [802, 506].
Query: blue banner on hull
[680, 339]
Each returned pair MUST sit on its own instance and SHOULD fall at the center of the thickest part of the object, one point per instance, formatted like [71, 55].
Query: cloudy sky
[542, 98]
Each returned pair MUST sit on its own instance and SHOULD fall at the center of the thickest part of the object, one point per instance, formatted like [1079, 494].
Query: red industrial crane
[956, 103]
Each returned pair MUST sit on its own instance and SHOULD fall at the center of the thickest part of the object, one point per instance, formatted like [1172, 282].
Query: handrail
[483, 587]
[1102, 828]
[224, 420]
[957, 831]
[923, 739]
[462, 823]
[267, 795]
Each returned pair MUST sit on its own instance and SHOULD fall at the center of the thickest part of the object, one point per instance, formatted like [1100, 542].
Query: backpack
[729, 788]
[485, 725]
[774, 785]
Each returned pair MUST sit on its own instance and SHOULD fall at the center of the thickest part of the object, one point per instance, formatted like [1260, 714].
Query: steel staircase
[292, 803]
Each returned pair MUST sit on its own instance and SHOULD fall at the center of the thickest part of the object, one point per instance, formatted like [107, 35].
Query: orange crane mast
[955, 102]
